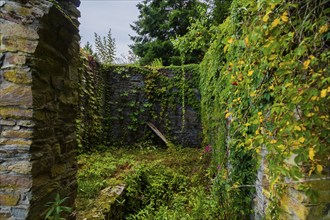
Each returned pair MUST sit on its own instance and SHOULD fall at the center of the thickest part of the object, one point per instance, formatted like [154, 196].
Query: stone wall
[131, 97]
[38, 50]
[162, 97]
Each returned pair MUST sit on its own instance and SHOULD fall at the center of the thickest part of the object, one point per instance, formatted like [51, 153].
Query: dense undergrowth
[159, 184]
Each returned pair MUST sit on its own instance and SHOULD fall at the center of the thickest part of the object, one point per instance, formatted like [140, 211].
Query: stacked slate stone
[39, 50]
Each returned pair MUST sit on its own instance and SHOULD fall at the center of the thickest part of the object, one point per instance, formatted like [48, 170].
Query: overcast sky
[100, 15]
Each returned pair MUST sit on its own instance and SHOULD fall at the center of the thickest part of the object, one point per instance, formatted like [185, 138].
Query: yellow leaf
[265, 18]
[306, 64]
[246, 40]
[228, 114]
[288, 85]
[231, 40]
[323, 29]
[284, 17]
[301, 140]
[250, 73]
[259, 113]
[319, 168]
[272, 6]
[323, 93]
[311, 171]
[225, 49]
[273, 141]
[311, 114]
[297, 128]
[275, 22]
[315, 98]
[272, 57]
[311, 154]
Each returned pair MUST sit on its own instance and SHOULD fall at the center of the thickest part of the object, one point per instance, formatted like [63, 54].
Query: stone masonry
[39, 49]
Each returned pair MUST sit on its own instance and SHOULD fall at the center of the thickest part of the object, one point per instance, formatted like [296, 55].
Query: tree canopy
[160, 21]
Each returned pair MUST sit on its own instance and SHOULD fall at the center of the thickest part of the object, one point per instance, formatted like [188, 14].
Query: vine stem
[286, 183]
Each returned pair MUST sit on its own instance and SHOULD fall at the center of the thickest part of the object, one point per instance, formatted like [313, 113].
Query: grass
[157, 182]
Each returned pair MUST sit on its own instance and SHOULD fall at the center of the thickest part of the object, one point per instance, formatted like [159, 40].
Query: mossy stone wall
[124, 98]
[39, 47]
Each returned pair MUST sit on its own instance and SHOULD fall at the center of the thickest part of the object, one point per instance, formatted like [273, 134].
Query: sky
[101, 15]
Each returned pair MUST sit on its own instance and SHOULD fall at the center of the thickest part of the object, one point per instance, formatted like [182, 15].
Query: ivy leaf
[323, 93]
[306, 64]
[265, 18]
[250, 73]
[319, 168]
[297, 128]
[228, 114]
[275, 22]
[311, 154]
[301, 140]
[284, 17]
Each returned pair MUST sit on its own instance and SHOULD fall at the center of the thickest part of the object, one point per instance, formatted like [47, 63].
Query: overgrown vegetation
[265, 84]
[115, 109]
[159, 184]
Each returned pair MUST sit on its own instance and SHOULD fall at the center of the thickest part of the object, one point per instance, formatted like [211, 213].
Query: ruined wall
[38, 50]
[169, 98]
[117, 102]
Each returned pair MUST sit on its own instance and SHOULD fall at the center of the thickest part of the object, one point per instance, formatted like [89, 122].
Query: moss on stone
[18, 76]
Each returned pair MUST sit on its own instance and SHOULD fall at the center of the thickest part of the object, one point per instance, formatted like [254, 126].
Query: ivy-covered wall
[118, 101]
[265, 109]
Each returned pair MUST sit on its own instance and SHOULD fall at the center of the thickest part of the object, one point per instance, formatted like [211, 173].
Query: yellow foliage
[284, 17]
[323, 93]
[275, 22]
[311, 153]
[265, 18]
[301, 140]
[297, 128]
[250, 73]
[319, 168]
[228, 114]
[323, 29]
[306, 64]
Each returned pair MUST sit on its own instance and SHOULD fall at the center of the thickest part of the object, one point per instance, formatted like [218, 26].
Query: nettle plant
[265, 85]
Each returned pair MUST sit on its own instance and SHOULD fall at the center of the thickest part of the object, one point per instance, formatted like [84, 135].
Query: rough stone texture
[134, 100]
[295, 204]
[39, 50]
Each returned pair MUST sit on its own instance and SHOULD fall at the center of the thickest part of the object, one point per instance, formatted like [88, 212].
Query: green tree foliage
[105, 48]
[220, 10]
[88, 48]
[203, 29]
[159, 21]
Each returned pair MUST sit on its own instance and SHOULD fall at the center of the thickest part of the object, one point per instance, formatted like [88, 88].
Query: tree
[105, 48]
[220, 10]
[88, 48]
[158, 22]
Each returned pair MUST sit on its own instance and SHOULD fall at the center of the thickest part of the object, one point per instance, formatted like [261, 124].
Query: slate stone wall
[140, 95]
[38, 58]
[117, 102]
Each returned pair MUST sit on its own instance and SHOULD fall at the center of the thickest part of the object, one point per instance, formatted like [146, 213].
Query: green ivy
[265, 85]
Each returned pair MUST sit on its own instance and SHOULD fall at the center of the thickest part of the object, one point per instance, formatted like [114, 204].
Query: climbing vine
[265, 85]
[89, 120]
[117, 101]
